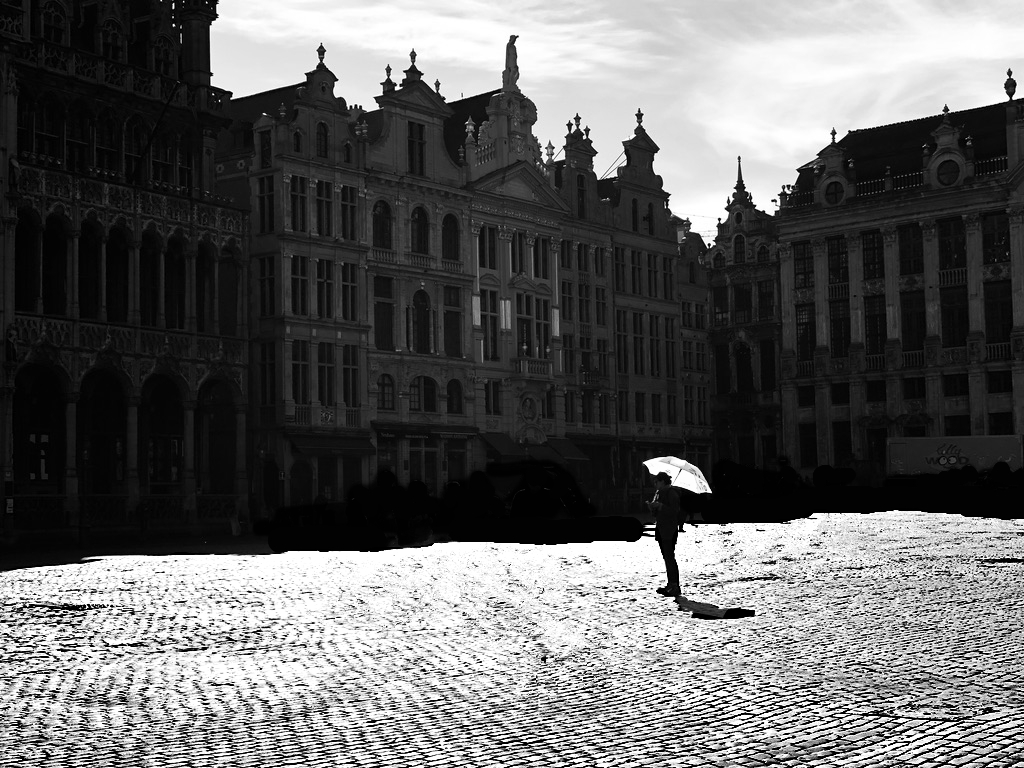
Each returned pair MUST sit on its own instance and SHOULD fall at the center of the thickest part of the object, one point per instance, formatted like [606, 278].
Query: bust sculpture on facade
[510, 76]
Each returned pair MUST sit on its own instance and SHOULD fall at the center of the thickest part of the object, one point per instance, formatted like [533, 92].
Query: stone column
[132, 453]
[977, 400]
[74, 274]
[160, 280]
[786, 297]
[188, 459]
[71, 489]
[933, 400]
[103, 278]
[820, 294]
[932, 311]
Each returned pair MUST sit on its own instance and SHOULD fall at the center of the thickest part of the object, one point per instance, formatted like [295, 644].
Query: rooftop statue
[511, 74]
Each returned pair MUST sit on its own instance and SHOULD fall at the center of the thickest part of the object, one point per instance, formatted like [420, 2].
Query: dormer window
[321, 139]
[834, 192]
[417, 148]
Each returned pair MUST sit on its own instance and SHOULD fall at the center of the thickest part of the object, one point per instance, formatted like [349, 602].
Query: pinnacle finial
[639, 116]
[739, 170]
[945, 109]
[437, 86]
[387, 70]
[412, 55]
[320, 52]
[833, 135]
[577, 119]
[1010, 85]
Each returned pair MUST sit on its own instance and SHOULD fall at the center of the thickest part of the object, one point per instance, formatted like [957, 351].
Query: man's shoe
[662, 590]
[672, 592]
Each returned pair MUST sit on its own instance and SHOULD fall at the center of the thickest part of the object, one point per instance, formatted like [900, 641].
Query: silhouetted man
[665, 506]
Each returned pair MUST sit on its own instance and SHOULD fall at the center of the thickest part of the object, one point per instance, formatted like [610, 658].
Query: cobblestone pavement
[880, 640]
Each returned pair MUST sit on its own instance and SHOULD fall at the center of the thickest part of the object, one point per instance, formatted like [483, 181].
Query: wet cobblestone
[879, 640]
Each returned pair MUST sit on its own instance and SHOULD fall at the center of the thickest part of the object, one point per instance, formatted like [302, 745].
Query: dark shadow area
[700, 610]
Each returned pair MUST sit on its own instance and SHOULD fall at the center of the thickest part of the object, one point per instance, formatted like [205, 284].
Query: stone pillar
[133, 285]
[933, 400]
[855, 260]
[71, 489]
[890, 243]
[74, 275]
[161, 299]
[188, 470]
[932, 312]
[1017, 266]
[977, 399]
[132, 453]
[241, 463]
[786, 296]
[975, 289]
[505, 235]
[1018, 397]
[103, 278]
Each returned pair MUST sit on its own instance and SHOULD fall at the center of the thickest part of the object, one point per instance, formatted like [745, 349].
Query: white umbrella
[683, 473]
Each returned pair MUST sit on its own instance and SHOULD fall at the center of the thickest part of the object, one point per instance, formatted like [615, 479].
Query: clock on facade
[834, 192]
[948, 172]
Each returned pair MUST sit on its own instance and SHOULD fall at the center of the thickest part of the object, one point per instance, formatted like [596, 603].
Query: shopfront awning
[330, 445]
[567, 449]
[544, 453]
[504, 446]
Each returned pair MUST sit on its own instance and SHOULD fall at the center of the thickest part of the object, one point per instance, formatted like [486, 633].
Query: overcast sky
[765, 79]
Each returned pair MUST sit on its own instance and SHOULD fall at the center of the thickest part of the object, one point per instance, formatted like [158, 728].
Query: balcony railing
[804, 368]
[420, 260]
[913, 359]
[997, 351]
[872, 187]
[908, 180]
[383, 255]
[101, 510]
[955, 276]
[874, 362]
[590, 378]
[531, 366]
[990, 166]
[839, 290]
[448, 265]
[353, 417]
[302, 414]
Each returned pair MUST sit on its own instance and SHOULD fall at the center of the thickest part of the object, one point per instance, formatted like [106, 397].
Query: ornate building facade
[433, 291]
[745, 333]
[902, 286]
[124, 387]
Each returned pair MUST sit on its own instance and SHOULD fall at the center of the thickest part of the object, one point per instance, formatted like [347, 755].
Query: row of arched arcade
[103, 453]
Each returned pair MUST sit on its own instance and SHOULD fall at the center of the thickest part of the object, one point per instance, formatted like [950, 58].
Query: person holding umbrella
[666, 509]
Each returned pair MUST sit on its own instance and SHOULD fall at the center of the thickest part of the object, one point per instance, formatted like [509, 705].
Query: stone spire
[740, 195]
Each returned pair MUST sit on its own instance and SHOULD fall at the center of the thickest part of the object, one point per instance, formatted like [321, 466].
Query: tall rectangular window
[489, 323]
[686, 314]
[599, 265]
[299, 191]
[638, 343]
[384, 313]
[911, 247]
[808, 445]
[765, 299]
[265, 203]
[654, 324]
[568, 301]
[569, 353]
[621, 343]
[805, 332]
[720, 304]
[803, 265]
[688, 404]
[839, 318]
[670, 347]
[874, 325]
[743, 303]
[300, 372]
[453, 321]
[565, 255]
[603, 410]
[952, 243]
[325, 373]
[265, 149]
[417, 148]
[602, 357]
[655, 409]
[584, 303]
[542, 258]
[268, 287]
[912, 322]
[349, 196]
[672, 410]
[487, 244]
[723, 370]
[324, 209]
[582, 257]
[998, 311]
[601, 305]
[652, 275]
[700, 315]
[519, 247]
[872, 254]
[766, 353]
[492, 398]
[701, 353]
[838, 260]
[622, 405]
[350, 375]
[639, 407]
[300, 285]
[349, 292]
[324, 288]
[619, 268]
[668, 278]
[953, 309]
[570, 406]
[688, 355]
[636, 273]
[995, 237]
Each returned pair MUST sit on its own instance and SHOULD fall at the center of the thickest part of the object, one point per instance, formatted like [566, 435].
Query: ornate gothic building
[123, 301]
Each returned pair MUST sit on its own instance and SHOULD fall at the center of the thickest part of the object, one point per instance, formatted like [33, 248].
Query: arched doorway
[102, 434]
[215, 438]
[302, 483]
[161, 437]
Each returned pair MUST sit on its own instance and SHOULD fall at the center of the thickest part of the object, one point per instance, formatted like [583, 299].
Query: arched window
[205, 264]
[347, 153]
[163, 57]
[26, 120]
[55, 265]
[635, 211]
[112, 41]
[739, 249]
[321, 139]
[55, 24]
[423, 394]
[163, 158]
[385, 393]
[762, 253]
[581, 196]
[454, 396]
[381, 225]
[650, 218]
[117, 275]
[450, 238]
[421, 322]
[719, 260]
[297, 141]
[420, 231]
[149, 277]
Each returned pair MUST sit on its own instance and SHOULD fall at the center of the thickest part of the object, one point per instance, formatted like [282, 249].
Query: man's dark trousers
[666, 538]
